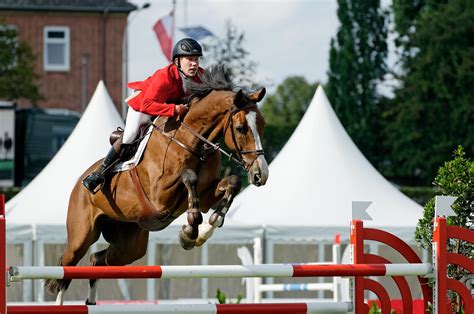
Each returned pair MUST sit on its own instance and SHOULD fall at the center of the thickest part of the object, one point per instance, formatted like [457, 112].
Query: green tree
[283, 111]
[455, 178]
[17, 76]
[356, 66]
[231, 52]
[432, 112]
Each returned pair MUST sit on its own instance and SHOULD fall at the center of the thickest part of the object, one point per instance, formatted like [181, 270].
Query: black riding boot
[96, 179]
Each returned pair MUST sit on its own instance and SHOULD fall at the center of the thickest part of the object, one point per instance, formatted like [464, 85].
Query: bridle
[241, 152]
[210, 147]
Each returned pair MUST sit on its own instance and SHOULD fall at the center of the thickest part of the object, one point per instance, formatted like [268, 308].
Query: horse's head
[243, 133]
[235, 115]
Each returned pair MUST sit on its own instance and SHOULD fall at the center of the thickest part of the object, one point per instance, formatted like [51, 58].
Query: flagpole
[173, 27]
[125, 57]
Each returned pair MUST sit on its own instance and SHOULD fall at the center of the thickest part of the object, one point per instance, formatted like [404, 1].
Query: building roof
[114, 6]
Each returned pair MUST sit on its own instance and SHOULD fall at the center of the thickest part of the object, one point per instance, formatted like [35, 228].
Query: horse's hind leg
[96, 259]
[189, 232]
[220, 198]
[128, 242]
[82, 233]
[76, 248]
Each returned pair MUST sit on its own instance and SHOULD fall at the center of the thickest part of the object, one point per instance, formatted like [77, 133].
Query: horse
[179, 172]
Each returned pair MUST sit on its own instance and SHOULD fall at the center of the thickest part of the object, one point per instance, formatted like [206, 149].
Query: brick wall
[64, 89]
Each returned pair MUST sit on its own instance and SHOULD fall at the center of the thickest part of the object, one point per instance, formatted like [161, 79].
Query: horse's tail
[53, 286]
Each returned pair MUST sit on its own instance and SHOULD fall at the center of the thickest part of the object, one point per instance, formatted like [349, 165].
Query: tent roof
[45, 199]
[317, 175]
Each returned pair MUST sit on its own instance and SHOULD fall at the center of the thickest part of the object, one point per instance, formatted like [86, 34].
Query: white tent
[45, 200]
[313, 181]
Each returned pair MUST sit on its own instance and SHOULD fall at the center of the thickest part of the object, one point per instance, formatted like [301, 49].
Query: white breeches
[133, 122]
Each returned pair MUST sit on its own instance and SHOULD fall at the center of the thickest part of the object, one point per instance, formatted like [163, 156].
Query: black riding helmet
[186, 47]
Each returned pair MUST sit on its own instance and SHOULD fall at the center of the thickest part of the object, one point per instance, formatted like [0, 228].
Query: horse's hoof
[184, 240]
[90, 303]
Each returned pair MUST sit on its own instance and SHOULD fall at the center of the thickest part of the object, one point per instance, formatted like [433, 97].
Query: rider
[156, 96]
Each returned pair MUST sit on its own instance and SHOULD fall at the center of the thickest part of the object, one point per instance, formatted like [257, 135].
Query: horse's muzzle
[258, 173]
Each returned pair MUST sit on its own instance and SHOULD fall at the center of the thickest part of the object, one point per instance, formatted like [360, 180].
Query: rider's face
[189, 65]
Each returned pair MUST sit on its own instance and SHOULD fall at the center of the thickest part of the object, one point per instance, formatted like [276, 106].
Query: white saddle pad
[135, 160]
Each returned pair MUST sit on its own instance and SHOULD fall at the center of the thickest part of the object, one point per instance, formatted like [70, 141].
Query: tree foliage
[433, 110]
[455, 178]
[356, 66]
[231, 52]
[17, 76]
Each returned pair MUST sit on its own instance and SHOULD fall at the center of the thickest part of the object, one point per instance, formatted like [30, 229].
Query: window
[56, 48]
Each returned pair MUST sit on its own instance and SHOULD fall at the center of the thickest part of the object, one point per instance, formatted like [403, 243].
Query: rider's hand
[180, 110]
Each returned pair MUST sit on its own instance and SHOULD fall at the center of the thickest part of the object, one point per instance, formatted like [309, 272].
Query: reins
[210, 147]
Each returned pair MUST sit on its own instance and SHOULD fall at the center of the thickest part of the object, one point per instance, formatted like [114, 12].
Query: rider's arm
[155, 97]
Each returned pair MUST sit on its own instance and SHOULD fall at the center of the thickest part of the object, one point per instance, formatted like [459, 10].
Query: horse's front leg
[220, 199]
[189, 232]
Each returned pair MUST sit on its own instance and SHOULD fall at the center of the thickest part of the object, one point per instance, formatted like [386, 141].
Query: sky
[284, 37]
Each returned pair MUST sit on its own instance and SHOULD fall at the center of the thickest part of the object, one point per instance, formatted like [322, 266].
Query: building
[77, 43]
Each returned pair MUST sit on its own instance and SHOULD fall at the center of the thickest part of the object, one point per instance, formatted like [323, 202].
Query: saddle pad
[135, 160]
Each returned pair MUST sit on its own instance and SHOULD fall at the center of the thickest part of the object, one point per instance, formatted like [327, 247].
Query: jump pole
[270, 308]
[216, 271]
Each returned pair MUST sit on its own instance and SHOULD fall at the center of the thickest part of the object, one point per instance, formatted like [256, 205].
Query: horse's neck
[206, 119]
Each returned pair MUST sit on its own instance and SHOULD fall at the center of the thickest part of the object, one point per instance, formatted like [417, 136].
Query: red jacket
[159, 92]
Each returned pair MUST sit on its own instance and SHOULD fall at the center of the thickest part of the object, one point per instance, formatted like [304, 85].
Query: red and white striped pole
[357, 254]
[216, 271]
[440, 265]
[262, 308]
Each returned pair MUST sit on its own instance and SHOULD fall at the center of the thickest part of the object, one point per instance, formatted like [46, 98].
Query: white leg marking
[60, 297]
[205, 232]
[93, 292]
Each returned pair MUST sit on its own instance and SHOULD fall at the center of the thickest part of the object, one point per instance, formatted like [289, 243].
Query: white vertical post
[39, 257]
[204, 281]
[336, 259]
[28, 260]
[269, 260]
[321, 259]
[257, 260]
[151, 260]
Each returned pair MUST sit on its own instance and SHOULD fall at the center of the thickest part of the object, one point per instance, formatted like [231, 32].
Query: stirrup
[94, 182]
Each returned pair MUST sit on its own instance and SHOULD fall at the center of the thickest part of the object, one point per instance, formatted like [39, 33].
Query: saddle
[130, 154]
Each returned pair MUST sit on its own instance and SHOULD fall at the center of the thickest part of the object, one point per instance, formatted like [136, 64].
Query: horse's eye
[241, 129]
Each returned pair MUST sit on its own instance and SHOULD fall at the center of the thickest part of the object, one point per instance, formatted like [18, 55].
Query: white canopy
[313, 181]
[44, 201]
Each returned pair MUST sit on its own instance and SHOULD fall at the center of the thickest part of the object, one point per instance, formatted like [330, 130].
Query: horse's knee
[229, 185]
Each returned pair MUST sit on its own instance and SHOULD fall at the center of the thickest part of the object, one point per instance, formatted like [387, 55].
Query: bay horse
[179, 172]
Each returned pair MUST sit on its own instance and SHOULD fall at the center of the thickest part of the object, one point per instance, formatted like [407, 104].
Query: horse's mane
[214, 78]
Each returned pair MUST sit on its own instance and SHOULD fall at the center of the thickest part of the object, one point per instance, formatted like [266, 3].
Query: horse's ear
[239, 99]
[258, 95]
